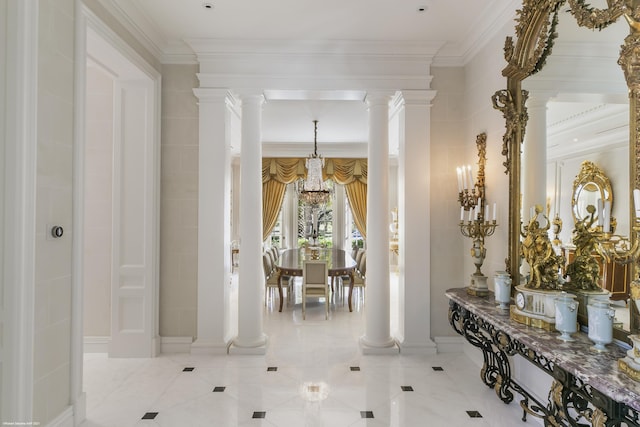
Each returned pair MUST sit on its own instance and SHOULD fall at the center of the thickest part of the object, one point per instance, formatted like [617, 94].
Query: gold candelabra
[477, 227]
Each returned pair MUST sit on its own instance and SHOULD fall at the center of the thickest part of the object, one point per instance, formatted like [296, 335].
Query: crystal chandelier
[312, 189]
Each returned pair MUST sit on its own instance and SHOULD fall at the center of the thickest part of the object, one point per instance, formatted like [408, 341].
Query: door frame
[87, 21]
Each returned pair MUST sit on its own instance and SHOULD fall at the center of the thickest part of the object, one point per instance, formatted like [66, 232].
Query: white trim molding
[170, 345]
[20, 217]
[99, 344]
[449, 344]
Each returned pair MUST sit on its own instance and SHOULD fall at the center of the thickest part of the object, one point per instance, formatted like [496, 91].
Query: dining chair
[315, 284]
[271, 278]
[359, 275]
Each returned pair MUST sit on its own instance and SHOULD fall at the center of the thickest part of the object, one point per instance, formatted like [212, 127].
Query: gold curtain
[352, 173]
[276, 174]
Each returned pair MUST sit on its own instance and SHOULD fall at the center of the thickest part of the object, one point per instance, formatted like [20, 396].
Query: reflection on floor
[312, 375]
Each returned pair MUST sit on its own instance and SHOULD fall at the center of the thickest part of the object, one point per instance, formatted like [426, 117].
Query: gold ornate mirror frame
[590, 179]
[535, 32]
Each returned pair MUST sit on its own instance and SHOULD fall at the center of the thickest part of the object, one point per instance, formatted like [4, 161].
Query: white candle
[494, 211]
[470, 214]
[475, 212]
[464, 178]
[486, 212]
[461, 213]
[600, 213]
[607, 216]
[470, 177]
[459, 180]
[636, 200]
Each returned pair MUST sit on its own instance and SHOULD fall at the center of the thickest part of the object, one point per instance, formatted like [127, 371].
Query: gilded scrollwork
[535, 31]
[593, 18]
[514, 118]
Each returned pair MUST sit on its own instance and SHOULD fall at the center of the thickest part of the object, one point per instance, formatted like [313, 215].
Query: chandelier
[312, 190]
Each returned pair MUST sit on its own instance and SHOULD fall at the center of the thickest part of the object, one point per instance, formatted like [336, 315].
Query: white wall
[98, 204]
[179, 202]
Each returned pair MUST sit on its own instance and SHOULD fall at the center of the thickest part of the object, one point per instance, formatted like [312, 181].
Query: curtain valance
[278, 172]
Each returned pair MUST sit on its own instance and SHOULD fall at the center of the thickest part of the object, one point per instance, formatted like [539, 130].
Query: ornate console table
[588, 389]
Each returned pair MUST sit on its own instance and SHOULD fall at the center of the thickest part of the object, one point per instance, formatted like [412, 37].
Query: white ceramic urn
[502, 285]
[600, 323]
[566, 315]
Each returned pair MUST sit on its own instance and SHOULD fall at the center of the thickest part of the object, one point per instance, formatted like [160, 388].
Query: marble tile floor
[312, 375]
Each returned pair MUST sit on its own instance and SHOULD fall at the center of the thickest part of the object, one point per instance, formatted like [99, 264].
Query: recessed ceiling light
[422, 9]
[207, 5]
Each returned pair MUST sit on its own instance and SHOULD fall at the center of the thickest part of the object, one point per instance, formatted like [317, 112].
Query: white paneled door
[134, 189]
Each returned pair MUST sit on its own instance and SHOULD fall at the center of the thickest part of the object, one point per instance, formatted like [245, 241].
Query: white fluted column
[534, 155]
[377, 337]
[414, 217]
[214, 234]
[251, 338]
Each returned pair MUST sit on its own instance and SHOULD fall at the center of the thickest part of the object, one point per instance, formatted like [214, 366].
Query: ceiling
[459, 27]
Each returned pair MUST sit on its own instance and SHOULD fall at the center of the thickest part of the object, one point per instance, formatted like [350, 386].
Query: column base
[390, 347]
[257, 347]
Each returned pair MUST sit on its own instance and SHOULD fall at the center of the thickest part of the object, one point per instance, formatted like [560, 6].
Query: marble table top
[599, 369]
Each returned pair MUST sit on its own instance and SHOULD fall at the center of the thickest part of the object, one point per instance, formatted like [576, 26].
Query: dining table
[339, 263]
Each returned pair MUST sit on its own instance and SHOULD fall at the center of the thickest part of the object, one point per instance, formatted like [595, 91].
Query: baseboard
[80, 409]
[175, 344]
[449, 344]
[96, 344]
[422, 349]
[65, 419]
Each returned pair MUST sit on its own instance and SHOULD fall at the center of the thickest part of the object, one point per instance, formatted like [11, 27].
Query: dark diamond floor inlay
[150, 416]
[355, 368]
[366, 414]
[219, 389]
[188, 369]
[259, 415]
[474, 414]
[437, 368]
[272, 369]
[406, 388]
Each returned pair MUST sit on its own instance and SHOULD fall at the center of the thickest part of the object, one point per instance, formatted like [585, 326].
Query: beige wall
[447, 151]
[179, 202]
[461, 110]
[98, 205]
[52, 341]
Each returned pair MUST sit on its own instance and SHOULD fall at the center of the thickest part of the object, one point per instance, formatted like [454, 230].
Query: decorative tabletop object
[535, 300]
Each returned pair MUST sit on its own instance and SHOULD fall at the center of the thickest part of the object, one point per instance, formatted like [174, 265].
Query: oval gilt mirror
[591, 184]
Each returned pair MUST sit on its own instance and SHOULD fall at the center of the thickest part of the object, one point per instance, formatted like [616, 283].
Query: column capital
[379, 97]
[213, 94]
[540, 98]
[250, 96]
[416, 97]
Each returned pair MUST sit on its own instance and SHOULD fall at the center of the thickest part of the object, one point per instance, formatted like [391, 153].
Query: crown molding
[206, 47]
[489, 26]
[134, 21]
